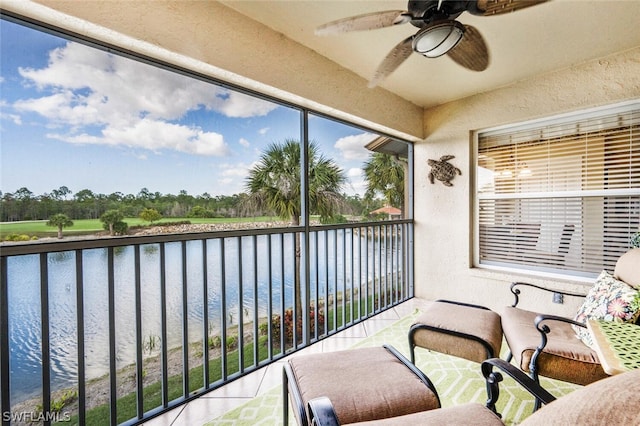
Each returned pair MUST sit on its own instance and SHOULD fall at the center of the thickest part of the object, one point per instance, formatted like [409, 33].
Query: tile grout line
[181, 410]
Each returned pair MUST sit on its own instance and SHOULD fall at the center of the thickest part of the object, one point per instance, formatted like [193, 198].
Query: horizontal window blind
[562, 196]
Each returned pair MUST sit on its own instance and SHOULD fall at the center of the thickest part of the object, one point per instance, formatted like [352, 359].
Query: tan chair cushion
[612, 401]
[362, 384]
[565, 357]
[628, 268]
[467, 414]
[481, 323]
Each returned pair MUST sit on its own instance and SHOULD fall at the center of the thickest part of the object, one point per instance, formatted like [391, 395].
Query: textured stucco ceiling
[534, 41]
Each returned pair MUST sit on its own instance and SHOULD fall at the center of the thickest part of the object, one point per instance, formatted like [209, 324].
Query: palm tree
[60, 221]
[274, 184]
[110, 219]
[385, 176]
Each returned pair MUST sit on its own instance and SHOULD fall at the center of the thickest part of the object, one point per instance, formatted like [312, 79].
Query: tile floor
[219, 401]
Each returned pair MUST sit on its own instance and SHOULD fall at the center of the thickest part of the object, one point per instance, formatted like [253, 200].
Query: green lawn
[126, 405]
[40, 229]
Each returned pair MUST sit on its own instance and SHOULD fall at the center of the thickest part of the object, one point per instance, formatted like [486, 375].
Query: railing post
[240, 308]
[223, 312]
[139, 342]
[256, 335]
[44, 330]
[5, 391]
[113, 380]
[185, 322]
[163, 326]
[205, 317]
[80, 343]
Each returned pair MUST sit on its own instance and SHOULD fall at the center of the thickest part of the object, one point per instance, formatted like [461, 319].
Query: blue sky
[76, 116]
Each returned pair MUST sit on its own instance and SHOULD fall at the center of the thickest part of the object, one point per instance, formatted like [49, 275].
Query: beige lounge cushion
[467, 414]
[611, 401]
[362, 384]
[482, 323]
[565, 357]
[628, 268]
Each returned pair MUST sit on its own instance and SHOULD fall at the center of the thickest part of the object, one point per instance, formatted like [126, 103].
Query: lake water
[253, 265]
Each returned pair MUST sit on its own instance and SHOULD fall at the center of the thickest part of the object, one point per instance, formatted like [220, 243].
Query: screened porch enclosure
[107, 327]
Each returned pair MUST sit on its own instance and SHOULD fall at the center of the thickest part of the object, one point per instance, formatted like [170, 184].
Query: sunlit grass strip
[152, 394]
[40, 229]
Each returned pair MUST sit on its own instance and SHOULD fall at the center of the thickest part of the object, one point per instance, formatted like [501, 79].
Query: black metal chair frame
[289, 385]
[322, 413]
[541, 324]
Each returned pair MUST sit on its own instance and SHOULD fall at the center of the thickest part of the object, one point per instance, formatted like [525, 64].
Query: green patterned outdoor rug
[457, 380]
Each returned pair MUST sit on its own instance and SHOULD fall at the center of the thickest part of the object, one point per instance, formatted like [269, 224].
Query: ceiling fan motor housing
[429, 11]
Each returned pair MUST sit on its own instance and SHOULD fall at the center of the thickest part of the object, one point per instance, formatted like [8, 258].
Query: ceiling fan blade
[471, 52]
[392, 61]
[369, 21]
[498, 7]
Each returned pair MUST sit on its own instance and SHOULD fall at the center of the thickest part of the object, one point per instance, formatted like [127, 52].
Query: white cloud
[155, 135]
[263, 131]
[353, 147]
[17, 120]
[244, 142]
[125, 102]
[235, 104]
[355, 172]
[65, 108]
[356, 181]
[233, 177]
[358, 187]
[236, 170]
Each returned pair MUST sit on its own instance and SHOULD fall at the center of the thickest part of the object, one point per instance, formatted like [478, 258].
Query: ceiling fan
[438, 33]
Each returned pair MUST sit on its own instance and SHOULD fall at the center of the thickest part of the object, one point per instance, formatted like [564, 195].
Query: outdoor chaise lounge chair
[611, 401]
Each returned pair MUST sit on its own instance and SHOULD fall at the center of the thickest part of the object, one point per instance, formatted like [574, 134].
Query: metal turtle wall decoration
[443, 170]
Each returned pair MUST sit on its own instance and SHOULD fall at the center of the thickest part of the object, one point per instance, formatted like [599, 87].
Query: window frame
[570, 118]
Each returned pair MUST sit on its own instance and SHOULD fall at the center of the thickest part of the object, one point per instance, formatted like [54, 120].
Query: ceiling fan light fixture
[438, 38]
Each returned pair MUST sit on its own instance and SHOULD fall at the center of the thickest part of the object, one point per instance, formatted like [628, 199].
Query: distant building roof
[392, 211]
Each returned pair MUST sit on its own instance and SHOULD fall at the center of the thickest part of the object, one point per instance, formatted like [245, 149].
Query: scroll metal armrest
[322, 412]
[493, 378]
[516, 291]
[540, 323]
[540, 319]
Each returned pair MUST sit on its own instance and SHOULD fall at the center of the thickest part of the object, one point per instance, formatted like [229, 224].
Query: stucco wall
[443, 214]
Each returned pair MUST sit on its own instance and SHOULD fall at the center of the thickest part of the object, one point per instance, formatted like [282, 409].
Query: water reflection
[256, 261]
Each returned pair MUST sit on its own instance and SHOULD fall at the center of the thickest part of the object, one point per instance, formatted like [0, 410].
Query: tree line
[23, 204]
[384, 179]
[85, 204]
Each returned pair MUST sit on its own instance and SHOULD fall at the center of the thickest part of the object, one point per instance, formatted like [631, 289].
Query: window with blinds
[560, 195]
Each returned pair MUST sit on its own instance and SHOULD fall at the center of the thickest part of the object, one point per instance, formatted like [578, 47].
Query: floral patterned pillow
[609, 299]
